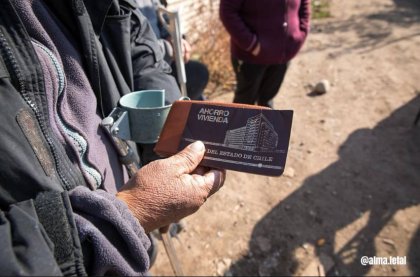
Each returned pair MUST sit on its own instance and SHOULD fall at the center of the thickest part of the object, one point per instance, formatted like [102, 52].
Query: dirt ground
[352, 182]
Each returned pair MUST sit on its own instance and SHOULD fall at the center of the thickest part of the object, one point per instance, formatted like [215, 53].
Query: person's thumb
[188, 159]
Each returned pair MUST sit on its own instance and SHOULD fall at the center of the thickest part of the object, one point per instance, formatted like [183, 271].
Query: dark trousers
[197, 78]
[257, 83]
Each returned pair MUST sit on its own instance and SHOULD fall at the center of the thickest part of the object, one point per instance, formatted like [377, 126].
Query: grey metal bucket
[146, 112]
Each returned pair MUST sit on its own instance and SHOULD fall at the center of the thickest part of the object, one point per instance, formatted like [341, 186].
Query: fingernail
[197, 146]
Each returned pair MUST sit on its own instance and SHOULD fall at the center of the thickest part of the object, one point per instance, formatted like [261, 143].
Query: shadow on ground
[373, 30]
[378, 173]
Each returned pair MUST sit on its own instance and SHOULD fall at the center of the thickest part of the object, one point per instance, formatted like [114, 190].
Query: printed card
[248, 140]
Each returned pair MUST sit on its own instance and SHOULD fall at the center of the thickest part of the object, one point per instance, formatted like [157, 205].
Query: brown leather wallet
[240, 137]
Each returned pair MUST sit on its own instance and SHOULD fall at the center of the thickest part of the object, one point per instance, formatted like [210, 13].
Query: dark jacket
[149, 9]
[280, 26]
[38, 234]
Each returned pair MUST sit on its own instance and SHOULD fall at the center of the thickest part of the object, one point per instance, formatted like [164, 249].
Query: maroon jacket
[280, 26]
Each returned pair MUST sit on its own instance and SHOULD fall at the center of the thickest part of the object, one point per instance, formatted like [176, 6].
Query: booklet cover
[238, 137]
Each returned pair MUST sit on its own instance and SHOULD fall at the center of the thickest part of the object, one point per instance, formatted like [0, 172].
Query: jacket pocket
[116, 41]
[117, 29]
[295, 42]
[145, 39]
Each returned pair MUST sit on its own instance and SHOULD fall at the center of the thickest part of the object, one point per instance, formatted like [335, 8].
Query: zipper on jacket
[285, 28]
[18, 74]
[78, 140]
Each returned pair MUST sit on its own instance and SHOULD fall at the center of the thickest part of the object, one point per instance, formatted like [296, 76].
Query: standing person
[196, 72]
[67, 206]
[265, 36]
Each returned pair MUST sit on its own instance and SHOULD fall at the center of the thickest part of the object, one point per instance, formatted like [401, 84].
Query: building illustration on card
[257, 135]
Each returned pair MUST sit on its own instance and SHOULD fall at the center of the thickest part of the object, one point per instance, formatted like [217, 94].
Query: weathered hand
[186, 50]
[167, 190]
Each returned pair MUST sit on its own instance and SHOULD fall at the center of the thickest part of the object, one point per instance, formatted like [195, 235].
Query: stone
[306, 247]
[289, 172]
[389, 242]
[320, 242]
[318, 266]
[322, 87]
[264, 244]
[269, 265]
[227, 262]
[222, 266]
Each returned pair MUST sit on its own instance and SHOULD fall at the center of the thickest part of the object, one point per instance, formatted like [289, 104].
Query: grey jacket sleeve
[149, 8]
[25, 246]
[39, 237]
[113, 241]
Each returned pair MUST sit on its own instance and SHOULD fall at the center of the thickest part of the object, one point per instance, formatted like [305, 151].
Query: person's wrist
[132, 203]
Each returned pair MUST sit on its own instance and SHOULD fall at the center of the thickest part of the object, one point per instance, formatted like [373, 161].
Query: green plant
[211, 47]
[320, 9]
